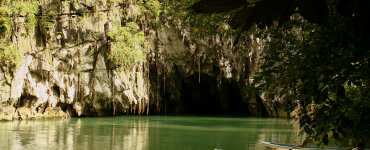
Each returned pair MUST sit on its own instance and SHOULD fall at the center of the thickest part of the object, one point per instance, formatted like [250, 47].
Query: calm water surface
[147, 133]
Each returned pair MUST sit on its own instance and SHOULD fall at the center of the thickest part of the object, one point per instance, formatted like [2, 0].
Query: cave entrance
[263, 108]
[26, 100]
[206, 98]
[236, 105]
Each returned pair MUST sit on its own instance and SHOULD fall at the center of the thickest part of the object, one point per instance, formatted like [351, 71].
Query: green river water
[147, 133]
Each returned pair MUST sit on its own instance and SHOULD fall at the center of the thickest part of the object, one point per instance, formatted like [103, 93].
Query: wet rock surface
[205, 76]
[70, 74]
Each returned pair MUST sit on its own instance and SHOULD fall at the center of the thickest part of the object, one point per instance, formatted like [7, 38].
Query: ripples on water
[147, 133]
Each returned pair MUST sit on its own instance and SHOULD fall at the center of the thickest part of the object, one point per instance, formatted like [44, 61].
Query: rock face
[205, 76]
[65, 71]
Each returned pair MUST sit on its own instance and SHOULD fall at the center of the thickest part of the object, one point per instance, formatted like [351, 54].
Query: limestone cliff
[65, 71]
[205, 76]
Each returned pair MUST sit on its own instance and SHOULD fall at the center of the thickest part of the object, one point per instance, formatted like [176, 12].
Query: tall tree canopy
[317, 57]
[327, 70]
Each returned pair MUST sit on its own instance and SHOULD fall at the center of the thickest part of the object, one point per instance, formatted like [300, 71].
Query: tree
[319, 58]
[126, 49]
[327, 69]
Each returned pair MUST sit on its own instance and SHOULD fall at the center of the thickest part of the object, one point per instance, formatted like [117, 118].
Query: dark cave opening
[57, 90]
[201, 98]
[27, 100]
[68, 108]
[206, 98]
[263, 108]
[237, 106]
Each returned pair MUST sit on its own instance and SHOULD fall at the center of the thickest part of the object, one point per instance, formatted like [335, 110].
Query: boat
[278, 146]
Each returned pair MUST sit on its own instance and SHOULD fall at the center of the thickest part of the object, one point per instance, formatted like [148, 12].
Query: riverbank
[27, 114]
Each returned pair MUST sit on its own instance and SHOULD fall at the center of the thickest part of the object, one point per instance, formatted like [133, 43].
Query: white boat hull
[278, 146]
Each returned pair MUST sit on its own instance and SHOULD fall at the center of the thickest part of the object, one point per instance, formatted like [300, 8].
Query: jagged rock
[70, 72]
[4, 89]
[7, 113]
[19, 76]
[70, 75]
[25, 113]
[211, 55]
[78, 106]
[55, 112]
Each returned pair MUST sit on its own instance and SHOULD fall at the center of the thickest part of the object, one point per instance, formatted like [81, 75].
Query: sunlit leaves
[10, 13]
[9, 55]
[127, 46]
[13, 9]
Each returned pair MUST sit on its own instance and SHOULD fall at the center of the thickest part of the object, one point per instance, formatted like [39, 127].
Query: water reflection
[81, 133]
[142, 132]
[223, 133]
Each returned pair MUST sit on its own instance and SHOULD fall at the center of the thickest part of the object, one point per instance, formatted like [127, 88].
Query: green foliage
[150, 11]
[158, 14]
[10, 11]
[327, 70]
[9, 79]
[47, 21]
[9, 56]
[100, 15]
[179, 14]
[127, 45]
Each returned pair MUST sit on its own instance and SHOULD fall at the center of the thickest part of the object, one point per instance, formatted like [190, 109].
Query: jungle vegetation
[323, 69]
[316, 58]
